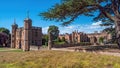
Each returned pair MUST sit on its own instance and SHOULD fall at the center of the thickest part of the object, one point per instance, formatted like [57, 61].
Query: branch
[115, 8]
[72, 19]
[105, 13]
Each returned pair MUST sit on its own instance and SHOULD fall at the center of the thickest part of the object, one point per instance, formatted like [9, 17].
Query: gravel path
[112, 52]
[99, 52]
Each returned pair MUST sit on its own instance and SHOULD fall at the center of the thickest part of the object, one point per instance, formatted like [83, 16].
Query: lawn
[2, 48]
[10, 50]
[57, 59]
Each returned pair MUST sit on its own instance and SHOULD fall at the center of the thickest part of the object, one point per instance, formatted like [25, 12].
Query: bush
[101, 39]
[46, 43]
[59, 42]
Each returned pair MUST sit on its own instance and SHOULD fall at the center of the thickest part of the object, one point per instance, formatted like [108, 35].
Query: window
[36, 33]
[33, 42]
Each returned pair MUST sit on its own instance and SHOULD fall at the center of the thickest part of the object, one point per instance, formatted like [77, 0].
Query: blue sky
[10, 9]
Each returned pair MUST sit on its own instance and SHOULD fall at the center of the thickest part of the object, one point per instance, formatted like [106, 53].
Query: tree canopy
[68, 10]
[107, 11]
[4, 30]
[54, 31]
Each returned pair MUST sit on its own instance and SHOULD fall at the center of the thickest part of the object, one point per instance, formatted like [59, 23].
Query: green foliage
[69, 10]
[111, 31]
[45, 46]
[63, 39]
[54, 31]
[46, 43]
[4, 30]
[59, 43]
[101, 39]
[47, 59]
[57, 40]
[10, 50]
[44, 39]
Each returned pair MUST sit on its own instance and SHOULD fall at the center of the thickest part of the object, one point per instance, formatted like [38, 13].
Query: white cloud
[94, 27]
[87, 28]
[70, 27]
[97, 23]
[44, 30]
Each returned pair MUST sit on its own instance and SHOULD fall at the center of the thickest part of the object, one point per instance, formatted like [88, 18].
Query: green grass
[59, 42]
[10, 50]
[2, 48]
[57, 59]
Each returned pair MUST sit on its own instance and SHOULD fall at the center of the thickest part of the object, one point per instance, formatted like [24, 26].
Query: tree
[101, 40]
[54, 31]
[45, 39]
[63, 39]
[4, 39]
[4, 30]
[69, 10]
[4, 36]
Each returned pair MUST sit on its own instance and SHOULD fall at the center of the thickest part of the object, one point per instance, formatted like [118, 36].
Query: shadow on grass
[101, 47]
[106, 47]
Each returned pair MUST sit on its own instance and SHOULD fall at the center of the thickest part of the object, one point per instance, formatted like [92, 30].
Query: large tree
[102, 10]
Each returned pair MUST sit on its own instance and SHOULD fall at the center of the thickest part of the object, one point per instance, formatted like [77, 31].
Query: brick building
[94, 37]
[77, 37]
[26, 36]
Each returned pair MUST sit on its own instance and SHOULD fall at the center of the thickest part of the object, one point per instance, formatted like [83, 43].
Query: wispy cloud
[97, 23]
[87, 28]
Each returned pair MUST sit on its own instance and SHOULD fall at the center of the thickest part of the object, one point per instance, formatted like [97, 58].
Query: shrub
[101, 39]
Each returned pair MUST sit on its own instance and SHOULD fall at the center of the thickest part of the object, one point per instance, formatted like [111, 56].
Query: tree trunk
[117, 28]
[118, 42]
[50, 41]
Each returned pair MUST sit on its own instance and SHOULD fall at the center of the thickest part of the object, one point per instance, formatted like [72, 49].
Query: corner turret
[13, 34]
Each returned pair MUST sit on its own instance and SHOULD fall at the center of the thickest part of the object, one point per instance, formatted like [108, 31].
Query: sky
[17, 9]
